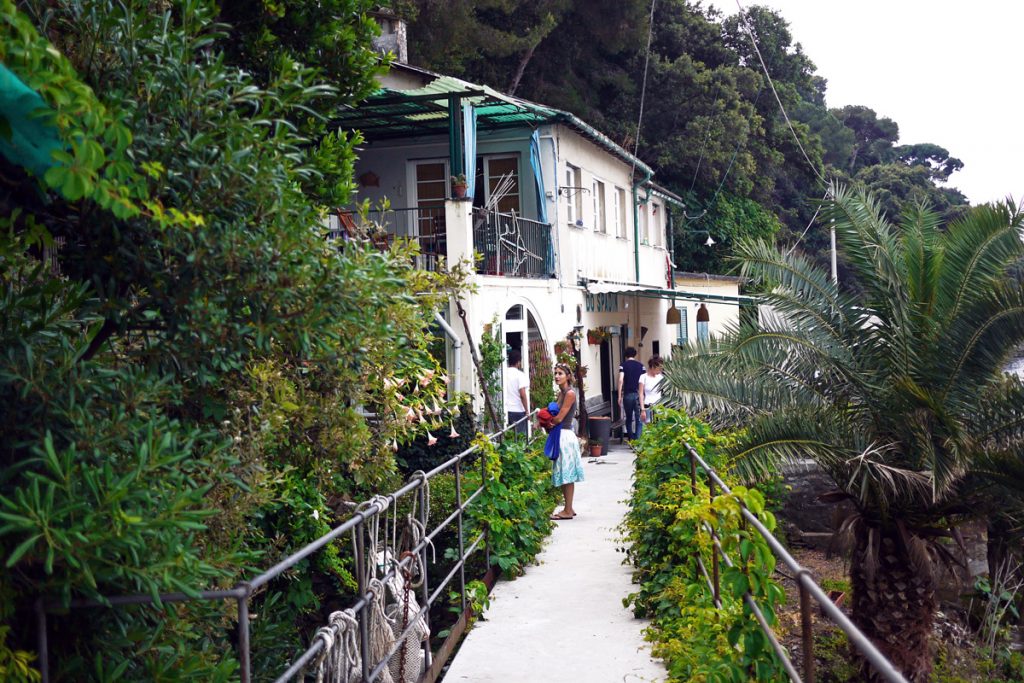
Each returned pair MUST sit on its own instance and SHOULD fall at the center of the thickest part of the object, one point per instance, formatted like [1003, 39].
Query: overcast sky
[946, 71]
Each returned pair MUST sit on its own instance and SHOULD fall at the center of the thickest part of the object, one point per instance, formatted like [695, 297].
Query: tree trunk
[521, 69]
[997, 543]
[894, 605]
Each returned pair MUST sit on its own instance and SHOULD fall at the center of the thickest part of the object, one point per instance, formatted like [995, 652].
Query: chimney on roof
[393, 36]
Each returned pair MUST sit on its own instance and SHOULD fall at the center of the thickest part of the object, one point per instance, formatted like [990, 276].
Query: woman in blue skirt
[567, 469]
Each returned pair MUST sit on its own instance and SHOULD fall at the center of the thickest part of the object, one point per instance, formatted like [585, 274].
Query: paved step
[564, 620]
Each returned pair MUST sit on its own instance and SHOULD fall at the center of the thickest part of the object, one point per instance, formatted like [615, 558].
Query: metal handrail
[809, 589]
[243, 591]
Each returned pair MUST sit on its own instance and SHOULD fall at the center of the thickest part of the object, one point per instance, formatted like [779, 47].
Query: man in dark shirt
[629, 392]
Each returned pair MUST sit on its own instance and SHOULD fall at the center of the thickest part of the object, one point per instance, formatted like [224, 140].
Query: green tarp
[26, 137]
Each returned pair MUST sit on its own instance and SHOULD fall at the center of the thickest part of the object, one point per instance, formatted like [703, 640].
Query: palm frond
[870, 245]
[809, 286]
[979, 248]
[978, 344]
[923, 254]
[1001, 473]
[997, 419]
[792, 436]
[880, 486]
[726, 399]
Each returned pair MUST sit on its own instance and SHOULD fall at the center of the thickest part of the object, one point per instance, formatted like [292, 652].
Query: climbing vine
[492, 355]
[666, 532]
[542, 375]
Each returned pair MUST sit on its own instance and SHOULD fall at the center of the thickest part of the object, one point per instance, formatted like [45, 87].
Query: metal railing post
[425, 585]
[693, 473]
[362, 616]
[462, 541]
[483, 484]
[714, 547]
[244, 662]
[807, 628]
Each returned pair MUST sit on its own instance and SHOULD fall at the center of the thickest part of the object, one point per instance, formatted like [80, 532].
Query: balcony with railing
[508, 244]
[512, 246]
[424, 225]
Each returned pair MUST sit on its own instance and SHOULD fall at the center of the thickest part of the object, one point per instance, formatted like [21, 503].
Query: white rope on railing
[381, 627]
[338, 661]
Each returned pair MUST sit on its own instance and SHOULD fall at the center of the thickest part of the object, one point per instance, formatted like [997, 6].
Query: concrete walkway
[564, 620]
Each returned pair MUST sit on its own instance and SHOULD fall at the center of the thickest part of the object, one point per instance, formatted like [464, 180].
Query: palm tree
[895, 391]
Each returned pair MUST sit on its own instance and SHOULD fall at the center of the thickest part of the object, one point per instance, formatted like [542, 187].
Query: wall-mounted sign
[603, 303]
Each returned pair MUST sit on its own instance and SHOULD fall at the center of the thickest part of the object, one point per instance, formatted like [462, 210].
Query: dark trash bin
[601, 429]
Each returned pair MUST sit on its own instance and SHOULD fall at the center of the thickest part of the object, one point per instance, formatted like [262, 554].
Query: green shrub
[517, 502]
[664, 528]
[419, 455]
[492, 356]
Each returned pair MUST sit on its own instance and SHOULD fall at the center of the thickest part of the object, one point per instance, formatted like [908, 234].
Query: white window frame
[411, 224]
[616, 218]
[573, 200]
[684, 331]
[600, 207]
[657, 211]
[485, 160]
[645, 223]
[620, 213]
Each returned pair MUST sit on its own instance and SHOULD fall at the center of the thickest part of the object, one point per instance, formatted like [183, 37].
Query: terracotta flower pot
[459, 191]
[595, 450]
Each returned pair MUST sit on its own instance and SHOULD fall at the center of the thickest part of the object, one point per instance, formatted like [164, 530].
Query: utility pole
[835, 269]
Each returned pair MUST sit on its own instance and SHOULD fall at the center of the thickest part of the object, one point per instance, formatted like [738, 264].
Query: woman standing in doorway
[568, 468]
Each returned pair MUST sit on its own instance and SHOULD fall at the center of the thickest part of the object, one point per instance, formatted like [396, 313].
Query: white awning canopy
[603, 287]
[637, 289]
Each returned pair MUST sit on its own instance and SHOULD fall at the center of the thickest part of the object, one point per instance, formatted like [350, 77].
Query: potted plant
[459, 186]
[595, 447]
[596, 335]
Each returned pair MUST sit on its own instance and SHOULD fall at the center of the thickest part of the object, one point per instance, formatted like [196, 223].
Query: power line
[771, 83]
[643, 87]
[810, 223]
[725, 176]
[785, 115]
[707, 136]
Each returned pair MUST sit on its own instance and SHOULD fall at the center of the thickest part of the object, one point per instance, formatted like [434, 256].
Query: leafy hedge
[697, 639]
[515, 506]
[517, 502]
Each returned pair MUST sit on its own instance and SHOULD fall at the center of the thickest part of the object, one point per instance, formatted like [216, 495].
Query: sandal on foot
[560, 518]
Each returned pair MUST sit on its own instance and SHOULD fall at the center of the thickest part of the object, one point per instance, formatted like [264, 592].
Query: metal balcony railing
[512, 246]
[424, 225]
[509, 245]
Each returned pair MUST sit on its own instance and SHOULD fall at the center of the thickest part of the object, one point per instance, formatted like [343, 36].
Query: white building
[570, 231]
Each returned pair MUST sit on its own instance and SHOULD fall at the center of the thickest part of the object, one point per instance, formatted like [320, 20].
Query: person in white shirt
[650, 387]
[517, 385]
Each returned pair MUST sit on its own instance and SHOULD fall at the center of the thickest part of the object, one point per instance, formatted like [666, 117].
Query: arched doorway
[521, 332]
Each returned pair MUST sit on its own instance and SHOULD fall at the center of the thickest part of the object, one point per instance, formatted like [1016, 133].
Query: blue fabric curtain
[469, 147]
[538, 174]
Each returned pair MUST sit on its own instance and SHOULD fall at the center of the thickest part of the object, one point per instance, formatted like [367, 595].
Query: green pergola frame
[435, 109]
